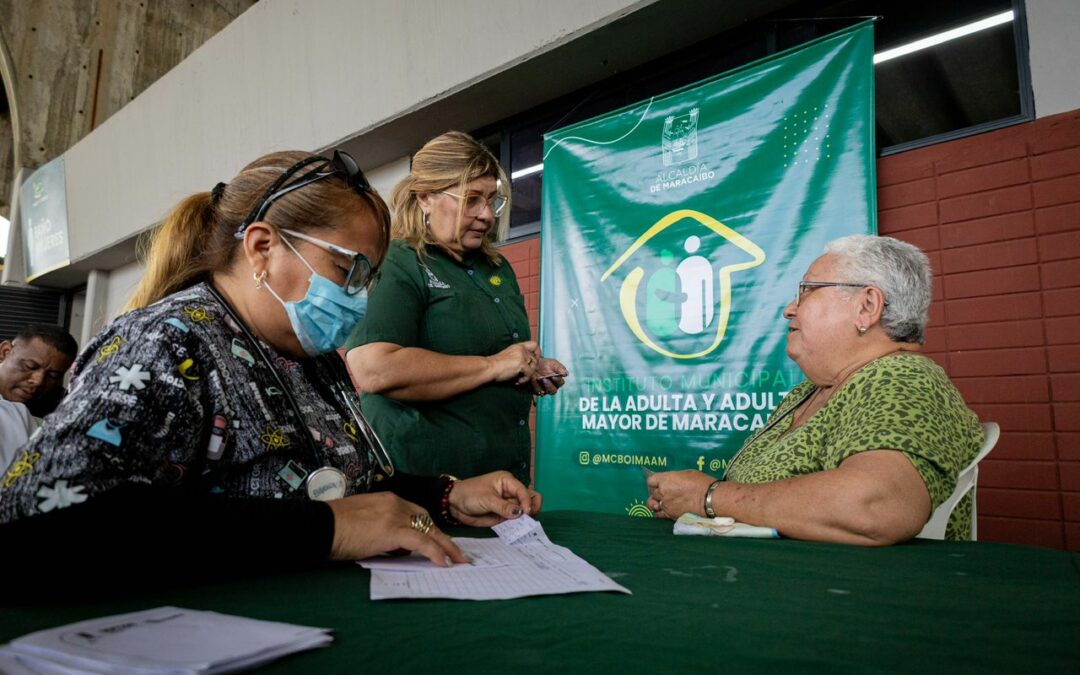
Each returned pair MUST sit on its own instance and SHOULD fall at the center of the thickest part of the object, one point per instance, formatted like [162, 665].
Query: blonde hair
[446, 162]
[196, 238]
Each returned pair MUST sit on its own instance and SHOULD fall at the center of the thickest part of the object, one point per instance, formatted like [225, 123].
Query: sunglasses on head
[342, 164]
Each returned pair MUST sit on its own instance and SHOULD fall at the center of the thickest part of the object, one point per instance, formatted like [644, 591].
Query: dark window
[963, 86]
[26, 305]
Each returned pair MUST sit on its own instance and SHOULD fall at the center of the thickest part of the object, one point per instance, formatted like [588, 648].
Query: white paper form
[414, 562]
[166, 639]
[530, 566]
[523, 530]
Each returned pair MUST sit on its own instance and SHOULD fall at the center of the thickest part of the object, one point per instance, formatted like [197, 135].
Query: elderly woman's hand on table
[674, 493]
[873, 498]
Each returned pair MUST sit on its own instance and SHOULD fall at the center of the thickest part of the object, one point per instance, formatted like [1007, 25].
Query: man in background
[32, 367]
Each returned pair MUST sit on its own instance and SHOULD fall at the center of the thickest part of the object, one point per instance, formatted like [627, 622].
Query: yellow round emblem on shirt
[495, 280]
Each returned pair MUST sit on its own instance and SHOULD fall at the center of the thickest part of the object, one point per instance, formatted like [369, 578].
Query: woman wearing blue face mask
[220, 392]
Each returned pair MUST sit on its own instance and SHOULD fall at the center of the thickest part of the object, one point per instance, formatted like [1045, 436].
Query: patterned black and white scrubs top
[174, 394]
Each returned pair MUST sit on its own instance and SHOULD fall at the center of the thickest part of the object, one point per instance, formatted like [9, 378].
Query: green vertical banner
[674, 233]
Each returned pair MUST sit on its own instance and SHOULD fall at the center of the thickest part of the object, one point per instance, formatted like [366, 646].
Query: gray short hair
[899, 269]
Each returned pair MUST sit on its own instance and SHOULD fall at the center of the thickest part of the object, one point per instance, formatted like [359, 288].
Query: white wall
[1054, 38]
[297, 74]
[385, 177]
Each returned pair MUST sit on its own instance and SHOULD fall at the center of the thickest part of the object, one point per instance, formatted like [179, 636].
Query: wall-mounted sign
[43, 219]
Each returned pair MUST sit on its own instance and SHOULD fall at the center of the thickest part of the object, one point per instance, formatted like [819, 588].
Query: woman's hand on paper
[371, 524]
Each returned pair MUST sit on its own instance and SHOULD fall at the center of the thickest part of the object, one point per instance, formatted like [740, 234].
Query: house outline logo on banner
[700, 309]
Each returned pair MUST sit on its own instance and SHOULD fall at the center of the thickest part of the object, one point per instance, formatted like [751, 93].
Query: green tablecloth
[698, 605]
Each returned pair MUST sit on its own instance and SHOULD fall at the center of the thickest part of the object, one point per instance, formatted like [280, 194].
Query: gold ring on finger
[421, 522]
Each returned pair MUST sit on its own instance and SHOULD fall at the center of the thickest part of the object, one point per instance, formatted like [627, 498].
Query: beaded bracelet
[444, 504]
[708, 498]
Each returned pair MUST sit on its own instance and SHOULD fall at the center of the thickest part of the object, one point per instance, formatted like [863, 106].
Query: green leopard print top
[901, 402]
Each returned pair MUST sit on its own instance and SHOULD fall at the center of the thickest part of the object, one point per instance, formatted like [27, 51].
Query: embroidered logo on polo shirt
[495, 280]
[434, 281]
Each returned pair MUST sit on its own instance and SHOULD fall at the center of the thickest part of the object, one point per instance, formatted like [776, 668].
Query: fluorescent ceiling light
[887, 55]
[933, 40]
[527, 171]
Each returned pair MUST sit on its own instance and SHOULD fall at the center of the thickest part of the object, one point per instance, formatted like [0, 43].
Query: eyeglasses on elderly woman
[805, 287]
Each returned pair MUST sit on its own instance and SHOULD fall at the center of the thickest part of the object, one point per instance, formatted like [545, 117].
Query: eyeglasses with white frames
[475, 202]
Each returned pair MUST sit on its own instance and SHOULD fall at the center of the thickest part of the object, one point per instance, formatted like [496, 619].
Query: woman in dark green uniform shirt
[445, 357]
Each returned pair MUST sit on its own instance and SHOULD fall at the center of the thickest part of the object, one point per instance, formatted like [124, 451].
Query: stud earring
[258, 278]
[862, 330]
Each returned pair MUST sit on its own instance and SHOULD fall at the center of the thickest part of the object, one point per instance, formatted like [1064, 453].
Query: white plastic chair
[965, 482]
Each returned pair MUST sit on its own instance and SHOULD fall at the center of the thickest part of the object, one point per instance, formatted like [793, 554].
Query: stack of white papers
[522, 561]
[163, 640]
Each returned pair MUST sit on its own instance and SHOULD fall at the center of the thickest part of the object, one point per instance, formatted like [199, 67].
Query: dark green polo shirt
[469, 308]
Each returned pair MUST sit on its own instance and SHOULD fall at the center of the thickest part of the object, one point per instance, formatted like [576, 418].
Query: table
[698, 605]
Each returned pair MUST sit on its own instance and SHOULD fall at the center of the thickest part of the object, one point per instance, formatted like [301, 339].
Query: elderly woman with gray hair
[864, 449]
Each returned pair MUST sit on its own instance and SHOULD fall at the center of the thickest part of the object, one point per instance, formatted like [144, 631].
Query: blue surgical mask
[326, 316]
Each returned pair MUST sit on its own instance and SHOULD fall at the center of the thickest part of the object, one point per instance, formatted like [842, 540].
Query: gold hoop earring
[258, 277]
[427, 220]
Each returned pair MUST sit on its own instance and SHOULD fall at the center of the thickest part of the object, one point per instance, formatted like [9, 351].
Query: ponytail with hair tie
[215, 194]
[182, 250]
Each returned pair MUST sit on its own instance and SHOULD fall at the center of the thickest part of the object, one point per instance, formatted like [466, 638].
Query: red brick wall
[524, 257]
[999, 216]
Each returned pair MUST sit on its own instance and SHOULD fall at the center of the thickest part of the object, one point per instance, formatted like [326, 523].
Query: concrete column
[96, 311]
[14, 262]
